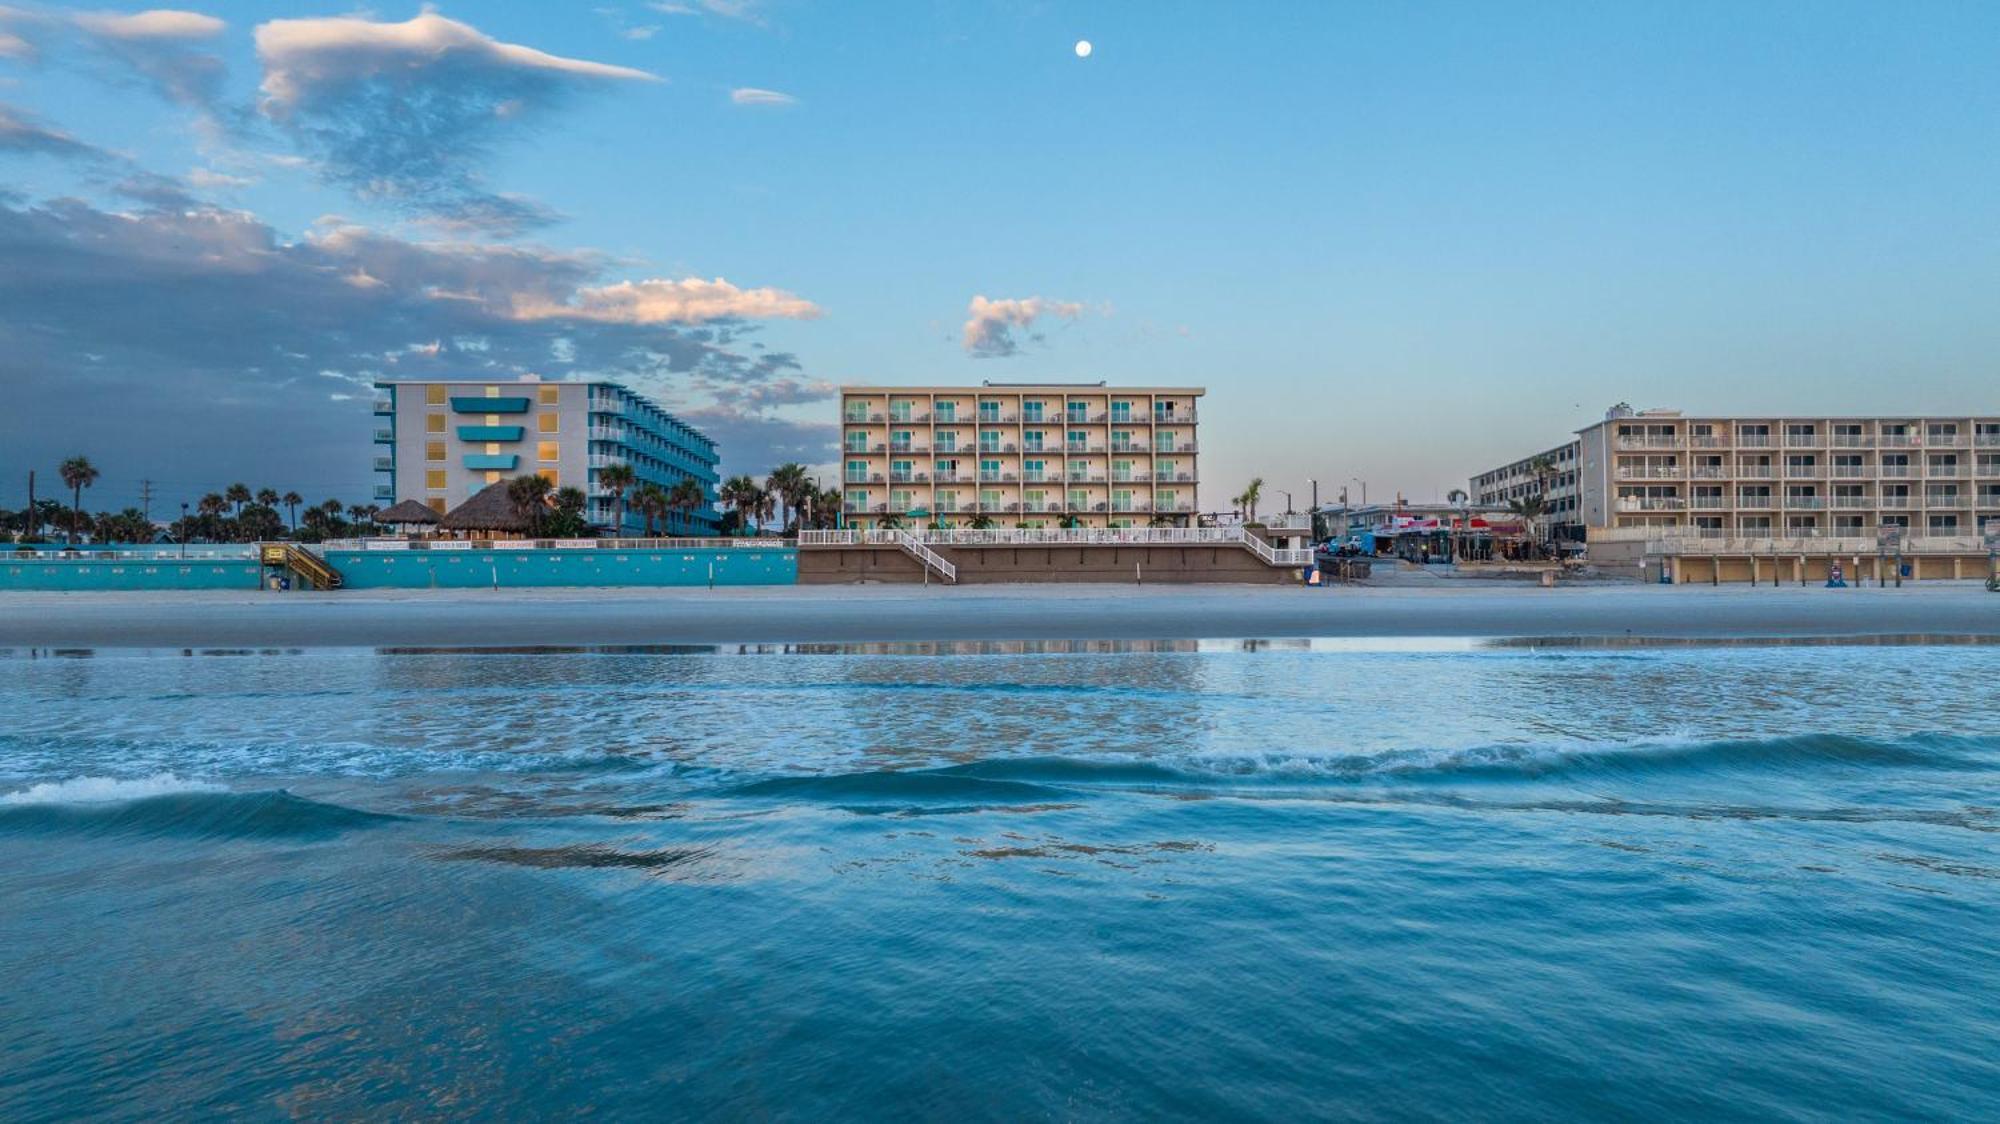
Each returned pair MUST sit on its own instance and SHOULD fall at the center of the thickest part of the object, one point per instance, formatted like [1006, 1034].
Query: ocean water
[1152, 881]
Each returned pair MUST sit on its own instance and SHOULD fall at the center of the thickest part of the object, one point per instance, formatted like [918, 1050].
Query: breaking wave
[169, 807]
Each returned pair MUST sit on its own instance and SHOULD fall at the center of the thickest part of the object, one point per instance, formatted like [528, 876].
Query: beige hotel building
[1043, 455]
[1789, 477]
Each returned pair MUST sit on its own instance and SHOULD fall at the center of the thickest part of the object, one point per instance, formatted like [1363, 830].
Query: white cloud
[744, 10]
[158, 23]
[659, 301]
[210, 179]
[990, 324]
[304, 58]
[750, 95]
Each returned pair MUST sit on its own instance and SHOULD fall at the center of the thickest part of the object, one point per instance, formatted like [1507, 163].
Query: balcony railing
[1804, 472]
[863, 478]
[1752, 500]
[1755, 472]
[384, 492]
[985, 449]
[1710, 472]
[1753, 440]
[1709, 441]
[862, 417]
[385, 437]
[1708, 503]
[1649, 472]
[1664, 442]
[1947, 499]
[1804, 440]
[1805, 503]
[1854, 501]
[1896, 441]
[987, 476]
[1953, 440]
[385, 405]
[1853, 441]
[1173, 477]
[1896, 501]
[1986, 440]
[1946, 472]
[1852, 471]
[1896, 471]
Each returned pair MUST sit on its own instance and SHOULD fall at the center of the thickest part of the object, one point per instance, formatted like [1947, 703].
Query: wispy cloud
[745, 11]
[407, 113]
[156, 24]
[656, 301]
[994, 328]
[750, 95]
[23, 133]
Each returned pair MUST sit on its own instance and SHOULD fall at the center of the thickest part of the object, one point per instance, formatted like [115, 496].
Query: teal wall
[478, 569]
[80, 574]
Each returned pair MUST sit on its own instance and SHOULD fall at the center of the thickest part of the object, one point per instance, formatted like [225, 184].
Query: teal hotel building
[440, 442]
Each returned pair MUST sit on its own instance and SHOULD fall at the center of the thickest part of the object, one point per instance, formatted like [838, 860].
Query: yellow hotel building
[1005, 455]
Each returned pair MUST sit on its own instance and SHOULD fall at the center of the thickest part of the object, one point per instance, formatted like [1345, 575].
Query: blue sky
[1400, 242]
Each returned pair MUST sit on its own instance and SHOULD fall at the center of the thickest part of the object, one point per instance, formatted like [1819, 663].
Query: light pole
[184, 530]
[1364, 489]
[1288, 499]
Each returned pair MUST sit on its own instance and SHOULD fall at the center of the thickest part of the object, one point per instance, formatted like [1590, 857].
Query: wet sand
[832, 614]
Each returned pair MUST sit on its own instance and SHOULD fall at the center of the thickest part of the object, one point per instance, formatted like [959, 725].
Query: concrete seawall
[1128, 565]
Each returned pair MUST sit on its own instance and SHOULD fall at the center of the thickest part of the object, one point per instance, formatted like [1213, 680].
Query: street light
[1288, 499]
[184, 530]
[1364, 489]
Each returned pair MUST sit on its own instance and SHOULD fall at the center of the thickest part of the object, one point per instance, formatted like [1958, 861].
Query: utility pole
[146, 499]
[31, 517]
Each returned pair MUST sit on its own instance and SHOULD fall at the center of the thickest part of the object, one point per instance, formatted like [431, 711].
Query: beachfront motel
[1709, 476]
[1042, 455]
[441, 442]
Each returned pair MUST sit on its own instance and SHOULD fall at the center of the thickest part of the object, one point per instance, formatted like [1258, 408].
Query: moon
[1083, 48]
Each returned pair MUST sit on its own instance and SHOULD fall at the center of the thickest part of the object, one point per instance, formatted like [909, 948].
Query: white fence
[1689, 544]
[1078, 536]
[718, 543]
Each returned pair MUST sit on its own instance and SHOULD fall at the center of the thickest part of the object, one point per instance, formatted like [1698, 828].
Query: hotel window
[1032, 411]
[1121, 411]
[899, 411]
[548, 452]
[492, 477]
[437, 504]
[947, 500]
[857, 472]
[1121, 440]
[434, 479]
[493, 448]
[899, 500]
[1079, 500]
[1034, 470]
[947, 412]
[435, 394]
[547, 423]
[551, 475]
[989, 470]
[1944, 525]
[1078, 412]
[989, 498]
[947, 442]
[1078, 441]
[901, 470]
[493, 419]
[433, 450]
[548, 395]
[989, 411]
[433, 423]
[492, 392]
[857, 500]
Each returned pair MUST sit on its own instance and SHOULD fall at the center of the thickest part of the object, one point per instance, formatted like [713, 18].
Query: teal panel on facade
[490, 405]
[490, 432]
[502, 461]
[84, 574]
[534, 569]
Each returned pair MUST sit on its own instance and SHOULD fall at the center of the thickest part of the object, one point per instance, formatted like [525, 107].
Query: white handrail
[1080, 536]
[927, 556]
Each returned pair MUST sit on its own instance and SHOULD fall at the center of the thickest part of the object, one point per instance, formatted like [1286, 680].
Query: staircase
[932, 560]
[1274, 556]
[307, 568]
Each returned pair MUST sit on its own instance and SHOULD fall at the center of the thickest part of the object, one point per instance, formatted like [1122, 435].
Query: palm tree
[618, 477]
[292, 500]
[789, 482]
[889, 521]
[1531, 509]
[78, 473]
[981, 522]
[267, 497]
[1252, 492]
[213, 504]
[828, 511]
[651, 501]
[238, 494]
[529, 496]
[1543, 466]
[687, 496]
[742, 495]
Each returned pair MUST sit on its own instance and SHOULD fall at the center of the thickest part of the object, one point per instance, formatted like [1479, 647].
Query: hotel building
[1519, 480]
[1044, 455]
[440, 442]
[1789, 477]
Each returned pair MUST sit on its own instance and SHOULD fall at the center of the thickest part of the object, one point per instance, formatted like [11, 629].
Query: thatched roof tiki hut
[490, 511]
[408, 514]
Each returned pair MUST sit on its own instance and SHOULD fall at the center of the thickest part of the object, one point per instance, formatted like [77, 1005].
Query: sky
[1398, 243]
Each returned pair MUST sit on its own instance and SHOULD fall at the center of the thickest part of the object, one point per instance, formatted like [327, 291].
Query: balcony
[1893, 500]
[1709, 441]
[988, 476]
[1805, 503]
[908, 419]
[384, 492]
[1946, 472]
[862, 417]
[1896, 471]
[1754, 441]
[1804, 441]
[1755, 500]
[1082, 447]
[909, 478]
[1709, 503]
[1710, 472]
[998, 419]
[491, 462]
[999, 508]
[490, 432]
[475, 405]
[1130, 507]
[864, 450]
[385, 437]
[1651, 503]
[1086, 419]
[1661, 442]
[1947, 499]
[1988, 467]
[1852, 472]
[996, 450]
[385, 464]
[1896, 441]
[1755, 472]
[1952, 440]
[1804, 472]
[1854, 501]
[1084, 478]
[385, 405]
[1853, 441]
[1649, 472]
[1173, 477]
[1986, 440]
[863, 478]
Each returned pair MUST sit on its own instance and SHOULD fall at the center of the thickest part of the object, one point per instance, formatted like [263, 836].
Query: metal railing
[717, 543]
[1079, 536]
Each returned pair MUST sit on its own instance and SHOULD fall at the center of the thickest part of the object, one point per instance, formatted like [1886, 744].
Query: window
[1079, 500]
[1121, 411]
[493, 448]
[493, 419]
[436, 504]
[549, 395]
[551, 475]
[492, 392]
[434, 479]
[857, 499]
[548, 452]
[434, 394]
[433, 423]
[1032, 411]
[857, 471]
[547, 423]
[947, 411]
[492, 477]
[433, 450]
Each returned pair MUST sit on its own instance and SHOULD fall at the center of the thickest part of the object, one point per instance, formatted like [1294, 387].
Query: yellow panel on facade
[434, 423]
[433, 450]
[434, 479]
[549, 395]
[548, 452]
[434, 394]
[551, 475]
[547, 423]
[492, 477]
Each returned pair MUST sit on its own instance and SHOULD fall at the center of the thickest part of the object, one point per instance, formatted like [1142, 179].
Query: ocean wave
[1043, 778]
[101, 806]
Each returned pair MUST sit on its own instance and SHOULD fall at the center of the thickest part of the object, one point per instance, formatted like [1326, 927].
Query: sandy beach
[902, 613]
